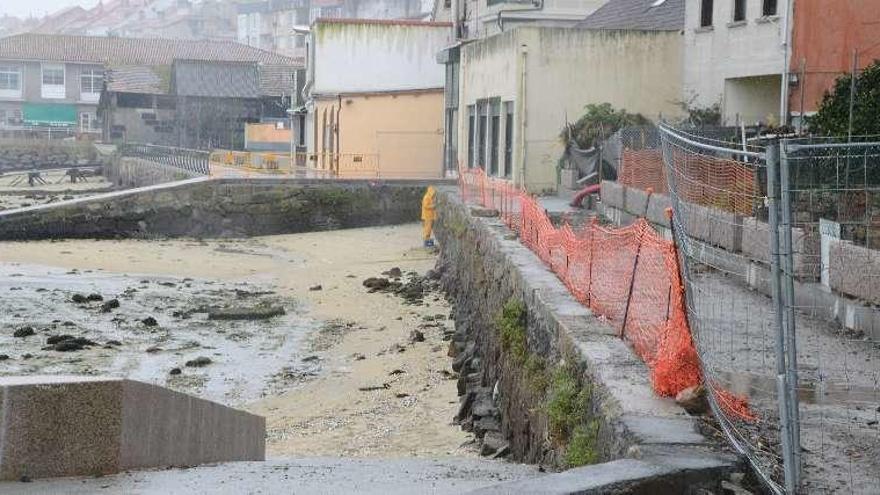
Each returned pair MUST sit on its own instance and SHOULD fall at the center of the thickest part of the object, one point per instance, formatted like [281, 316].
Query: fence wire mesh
[785, 321]
[833, 191]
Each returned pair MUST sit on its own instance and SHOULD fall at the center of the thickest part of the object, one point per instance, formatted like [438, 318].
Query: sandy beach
[376, 390]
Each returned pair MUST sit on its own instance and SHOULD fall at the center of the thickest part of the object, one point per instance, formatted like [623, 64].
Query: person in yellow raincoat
[428, 215]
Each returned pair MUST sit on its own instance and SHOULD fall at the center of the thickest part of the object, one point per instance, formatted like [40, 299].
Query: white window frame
[7, 70]
[53, 91]
[96, 78]
[90, 124]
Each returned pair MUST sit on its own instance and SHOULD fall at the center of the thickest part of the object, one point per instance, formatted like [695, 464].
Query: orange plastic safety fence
[629, 275]
[643, 169]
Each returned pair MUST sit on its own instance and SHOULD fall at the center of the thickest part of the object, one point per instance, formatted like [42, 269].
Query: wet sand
[359, 347]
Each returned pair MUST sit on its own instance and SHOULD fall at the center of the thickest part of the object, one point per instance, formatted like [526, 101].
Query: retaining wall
[137, 172]
[68, 426]
[221, 207]
[22, 154]
[484, 267]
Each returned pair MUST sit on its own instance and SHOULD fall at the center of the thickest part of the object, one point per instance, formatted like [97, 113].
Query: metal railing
[194, 161]
[811, 385]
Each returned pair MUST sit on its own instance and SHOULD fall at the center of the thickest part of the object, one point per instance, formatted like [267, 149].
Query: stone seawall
[541, 379]
[231, 207]
[137, 172]
[20, 154]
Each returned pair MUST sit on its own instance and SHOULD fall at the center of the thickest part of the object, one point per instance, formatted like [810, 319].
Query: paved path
[300, 476]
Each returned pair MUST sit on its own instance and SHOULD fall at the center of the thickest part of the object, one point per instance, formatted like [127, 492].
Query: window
[508, 139]
[739, 10]
[471, 135]
[91, 84]
[706, 13]
[769, 8]
[494, 135]
[53, 81]
[480, 143]
[88, 122]
[10, 79]
[53, 75]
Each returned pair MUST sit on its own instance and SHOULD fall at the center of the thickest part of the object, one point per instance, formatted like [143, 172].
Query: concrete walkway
[300, 476]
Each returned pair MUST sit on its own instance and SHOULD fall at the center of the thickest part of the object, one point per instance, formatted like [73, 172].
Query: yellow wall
[266, 133]
[401, 133]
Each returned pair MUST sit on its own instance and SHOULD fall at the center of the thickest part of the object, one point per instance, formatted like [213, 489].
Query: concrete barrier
[855, 271]
[71, 425]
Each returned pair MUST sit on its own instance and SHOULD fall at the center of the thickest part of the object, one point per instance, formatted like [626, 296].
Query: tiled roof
[277, 80]
[144, 79]
[114, 51]
[637, 14]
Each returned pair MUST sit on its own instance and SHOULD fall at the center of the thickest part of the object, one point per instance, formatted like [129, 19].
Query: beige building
[518, 89]
[375, 106]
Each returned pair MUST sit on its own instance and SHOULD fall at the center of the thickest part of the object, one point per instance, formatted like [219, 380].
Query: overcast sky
[24, 8]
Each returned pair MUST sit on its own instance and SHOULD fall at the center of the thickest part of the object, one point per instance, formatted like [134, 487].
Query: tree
[832, 118]
[597, 123]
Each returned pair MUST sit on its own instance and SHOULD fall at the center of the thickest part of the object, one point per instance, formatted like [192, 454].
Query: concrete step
[75, 425]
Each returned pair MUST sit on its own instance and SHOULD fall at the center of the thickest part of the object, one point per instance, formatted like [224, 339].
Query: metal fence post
[790, 327]
[782, 396]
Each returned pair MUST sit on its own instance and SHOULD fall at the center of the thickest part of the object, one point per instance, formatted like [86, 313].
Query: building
[736, 53]
[520, 88]
[481, 18]
[820, 52]
[376, 96]
[271, 24]
[57, 82]
[475, 20]
[181, 19]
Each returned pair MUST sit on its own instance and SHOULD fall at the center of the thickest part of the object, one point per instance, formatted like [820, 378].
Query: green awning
[49, 114]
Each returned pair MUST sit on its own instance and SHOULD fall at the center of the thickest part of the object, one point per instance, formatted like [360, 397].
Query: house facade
[820, 52]
[58, 82]
[270, 24]
[735, 57]
[519, 89]
[383, 114]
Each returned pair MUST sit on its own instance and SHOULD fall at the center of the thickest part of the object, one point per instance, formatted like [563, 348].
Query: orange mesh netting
[628, 275]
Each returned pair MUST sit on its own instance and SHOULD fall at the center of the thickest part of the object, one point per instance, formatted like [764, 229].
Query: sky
[24, 8]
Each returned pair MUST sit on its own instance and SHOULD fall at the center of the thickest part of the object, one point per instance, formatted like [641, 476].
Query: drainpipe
[338, 119]
[787, 27]
[456, 21]
[522, 114]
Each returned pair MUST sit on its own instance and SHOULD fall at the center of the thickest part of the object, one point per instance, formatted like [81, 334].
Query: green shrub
[511, 325]
[581, 449]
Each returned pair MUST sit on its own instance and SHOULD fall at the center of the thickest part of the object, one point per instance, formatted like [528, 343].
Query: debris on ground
[259, 312]
[198, 362]
[150, 321]
[23, 332]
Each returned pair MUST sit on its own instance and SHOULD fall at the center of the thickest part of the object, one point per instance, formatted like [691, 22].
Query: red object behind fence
[629, 275]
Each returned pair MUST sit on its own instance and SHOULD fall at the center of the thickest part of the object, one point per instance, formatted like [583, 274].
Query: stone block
[635, 201]
[756, 245]
[612, 194]
[72, 426]
[713, 226]
[854, 271]
[657, 205]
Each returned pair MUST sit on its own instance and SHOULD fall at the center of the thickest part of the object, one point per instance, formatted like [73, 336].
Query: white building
[735, 56]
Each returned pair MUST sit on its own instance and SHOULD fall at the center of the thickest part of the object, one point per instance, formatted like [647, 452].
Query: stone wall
[137, 172]
[510, 375]
[228, 207]
[30, 154]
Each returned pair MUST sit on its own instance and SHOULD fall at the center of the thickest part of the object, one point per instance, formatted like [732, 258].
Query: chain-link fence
[769, 240]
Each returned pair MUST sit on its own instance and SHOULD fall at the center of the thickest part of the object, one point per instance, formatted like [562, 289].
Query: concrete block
[854, 271]
[635, 201]
[712, 225]
[68, 426]
[756, 245]
[657, 205]
[612, 194]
